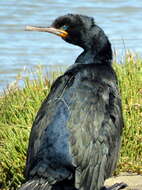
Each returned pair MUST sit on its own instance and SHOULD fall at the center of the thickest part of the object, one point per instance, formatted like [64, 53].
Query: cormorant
[75, 138]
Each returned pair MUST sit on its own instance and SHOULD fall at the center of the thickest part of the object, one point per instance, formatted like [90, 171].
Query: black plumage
[75, 138]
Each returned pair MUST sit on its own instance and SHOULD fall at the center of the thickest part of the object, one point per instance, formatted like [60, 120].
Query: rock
[133, 181]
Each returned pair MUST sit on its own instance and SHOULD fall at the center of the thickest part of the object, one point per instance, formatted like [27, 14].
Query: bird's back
[77, 129]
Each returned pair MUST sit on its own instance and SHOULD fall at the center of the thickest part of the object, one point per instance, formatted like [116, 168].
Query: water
[121, 20]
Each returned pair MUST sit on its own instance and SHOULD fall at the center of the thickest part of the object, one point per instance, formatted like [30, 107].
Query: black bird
[75, 138]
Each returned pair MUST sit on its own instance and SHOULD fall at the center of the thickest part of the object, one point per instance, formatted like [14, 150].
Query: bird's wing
[78, 125]
[95, 124]
[48, 151]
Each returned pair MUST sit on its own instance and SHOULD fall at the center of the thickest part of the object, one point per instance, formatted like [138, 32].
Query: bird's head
[76, 29]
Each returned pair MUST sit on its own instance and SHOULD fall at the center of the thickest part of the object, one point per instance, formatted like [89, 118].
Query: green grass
[18, 107]
[130, 82]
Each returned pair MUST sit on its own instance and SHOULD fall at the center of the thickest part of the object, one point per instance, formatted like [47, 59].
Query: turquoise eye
[65, 27]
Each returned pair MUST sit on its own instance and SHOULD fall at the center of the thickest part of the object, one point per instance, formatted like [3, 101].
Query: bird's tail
[41, 184]
[36, 184]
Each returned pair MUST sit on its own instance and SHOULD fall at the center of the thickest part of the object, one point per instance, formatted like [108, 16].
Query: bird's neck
[96, 55]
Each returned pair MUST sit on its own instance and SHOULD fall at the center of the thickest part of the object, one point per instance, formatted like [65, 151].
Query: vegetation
[18, 107]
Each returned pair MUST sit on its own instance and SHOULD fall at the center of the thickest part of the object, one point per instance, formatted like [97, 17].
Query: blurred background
[21, 50]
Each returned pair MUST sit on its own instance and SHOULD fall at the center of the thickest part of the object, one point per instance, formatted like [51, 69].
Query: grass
[130, 82]
[18, 107]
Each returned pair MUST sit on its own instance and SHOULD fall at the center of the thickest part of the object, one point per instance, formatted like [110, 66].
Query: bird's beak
[58, 32]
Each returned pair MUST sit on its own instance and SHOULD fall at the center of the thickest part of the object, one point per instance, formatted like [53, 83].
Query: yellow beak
[58, 32]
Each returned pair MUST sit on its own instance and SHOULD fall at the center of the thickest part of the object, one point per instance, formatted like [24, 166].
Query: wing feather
[78, 127]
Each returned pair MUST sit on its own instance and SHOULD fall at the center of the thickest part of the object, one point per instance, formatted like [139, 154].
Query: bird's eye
[64, 27]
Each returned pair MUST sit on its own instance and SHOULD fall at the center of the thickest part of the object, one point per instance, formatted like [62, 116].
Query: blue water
[121, 20]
